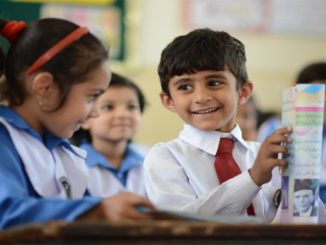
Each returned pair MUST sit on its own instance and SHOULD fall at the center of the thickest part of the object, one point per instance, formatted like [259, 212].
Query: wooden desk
[163, 232]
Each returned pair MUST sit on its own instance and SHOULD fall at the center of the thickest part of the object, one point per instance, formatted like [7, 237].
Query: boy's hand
[120, 207]
[267, 157]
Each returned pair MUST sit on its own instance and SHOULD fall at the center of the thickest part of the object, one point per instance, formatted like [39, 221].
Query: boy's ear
[245, 92]
[43, 85]
[167, 101]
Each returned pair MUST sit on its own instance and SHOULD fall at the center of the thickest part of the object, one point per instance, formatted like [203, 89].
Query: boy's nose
[202, 97]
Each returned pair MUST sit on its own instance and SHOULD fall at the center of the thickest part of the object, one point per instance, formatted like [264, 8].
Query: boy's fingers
[279, 138]
[285, 130]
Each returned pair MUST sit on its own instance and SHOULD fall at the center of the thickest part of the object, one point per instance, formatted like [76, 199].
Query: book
[303, 110]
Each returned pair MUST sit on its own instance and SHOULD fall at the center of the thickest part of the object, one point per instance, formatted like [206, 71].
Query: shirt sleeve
[20, 204]
[169, 187]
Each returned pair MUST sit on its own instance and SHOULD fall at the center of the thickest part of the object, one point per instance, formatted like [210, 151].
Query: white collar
[208, 141]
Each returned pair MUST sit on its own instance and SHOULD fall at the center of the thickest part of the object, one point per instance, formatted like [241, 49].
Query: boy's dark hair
[312, 72]
[117, 80]
[200, 50]
[70, 66]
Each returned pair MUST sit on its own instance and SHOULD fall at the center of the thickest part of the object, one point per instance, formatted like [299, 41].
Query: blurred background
[281, 37]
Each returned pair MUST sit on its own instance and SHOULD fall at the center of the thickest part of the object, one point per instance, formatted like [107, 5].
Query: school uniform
[105, 180]
[180, 176]
[41, 179]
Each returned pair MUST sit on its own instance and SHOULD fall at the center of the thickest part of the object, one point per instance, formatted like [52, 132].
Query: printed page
[302, 109]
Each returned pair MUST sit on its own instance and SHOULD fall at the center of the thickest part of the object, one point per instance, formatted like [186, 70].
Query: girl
[115, 165]
[54, 71]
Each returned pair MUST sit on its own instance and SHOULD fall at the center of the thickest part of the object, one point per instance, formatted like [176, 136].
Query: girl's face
[119, 115]
[79, 105]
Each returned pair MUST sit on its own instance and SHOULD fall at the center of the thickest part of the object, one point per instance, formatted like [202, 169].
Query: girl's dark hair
[2, 61]
[200, 50]
[117, 80]
[70, 66]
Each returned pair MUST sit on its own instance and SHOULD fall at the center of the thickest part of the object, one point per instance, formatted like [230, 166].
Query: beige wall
[273, 61]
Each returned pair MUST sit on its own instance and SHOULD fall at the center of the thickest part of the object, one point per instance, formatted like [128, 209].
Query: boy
[204, 80]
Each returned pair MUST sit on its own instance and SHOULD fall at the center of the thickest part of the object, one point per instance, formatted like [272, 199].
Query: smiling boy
[204, 80]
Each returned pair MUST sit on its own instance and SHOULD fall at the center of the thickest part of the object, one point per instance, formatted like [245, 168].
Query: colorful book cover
[303, 110]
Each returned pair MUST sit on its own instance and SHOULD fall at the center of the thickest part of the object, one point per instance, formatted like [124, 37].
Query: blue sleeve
[20, 204]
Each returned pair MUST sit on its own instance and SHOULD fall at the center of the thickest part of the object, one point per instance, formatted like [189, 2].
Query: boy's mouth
[205, 111]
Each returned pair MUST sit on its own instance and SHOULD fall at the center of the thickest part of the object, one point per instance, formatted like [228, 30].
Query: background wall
[272, 61]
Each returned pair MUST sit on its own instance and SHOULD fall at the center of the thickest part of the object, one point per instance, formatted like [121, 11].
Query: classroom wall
[272, 61]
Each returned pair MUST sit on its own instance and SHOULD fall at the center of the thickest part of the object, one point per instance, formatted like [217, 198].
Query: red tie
[225, 165]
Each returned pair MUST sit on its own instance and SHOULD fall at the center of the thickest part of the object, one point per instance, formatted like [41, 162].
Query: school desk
[164, 232]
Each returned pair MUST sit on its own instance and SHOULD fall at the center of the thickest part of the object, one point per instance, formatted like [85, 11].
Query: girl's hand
[121, 207]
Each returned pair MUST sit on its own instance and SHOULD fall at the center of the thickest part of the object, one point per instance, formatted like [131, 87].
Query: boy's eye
[214, 83]
[184, 87]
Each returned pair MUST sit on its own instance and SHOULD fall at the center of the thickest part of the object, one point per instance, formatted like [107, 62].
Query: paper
[303, 110]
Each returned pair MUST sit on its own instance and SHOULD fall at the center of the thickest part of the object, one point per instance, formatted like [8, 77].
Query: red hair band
[11, 30]
[56, 48]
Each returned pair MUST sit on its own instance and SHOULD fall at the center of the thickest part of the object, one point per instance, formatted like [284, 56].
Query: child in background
[204, 80]
[247, 118]
[114, 164]
[54, 72]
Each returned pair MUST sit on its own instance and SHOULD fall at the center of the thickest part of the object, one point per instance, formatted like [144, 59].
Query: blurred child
[247, 118]
[54, 72]
[114, 163]
[204, 80]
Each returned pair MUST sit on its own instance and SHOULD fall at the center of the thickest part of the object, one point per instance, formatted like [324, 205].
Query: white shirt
[103, 183]
[180, 176]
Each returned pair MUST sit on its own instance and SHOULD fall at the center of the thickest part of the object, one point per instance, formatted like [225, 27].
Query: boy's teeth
[206, 111]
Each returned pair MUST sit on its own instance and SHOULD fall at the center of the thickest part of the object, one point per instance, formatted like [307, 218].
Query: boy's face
[207, 100]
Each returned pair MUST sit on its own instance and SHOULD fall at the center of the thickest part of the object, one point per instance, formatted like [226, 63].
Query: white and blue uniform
[41, 179]
[105, 180]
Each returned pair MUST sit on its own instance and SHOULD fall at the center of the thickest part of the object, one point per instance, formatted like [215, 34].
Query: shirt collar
[208, 141]
[95, 158]
[13, 118]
